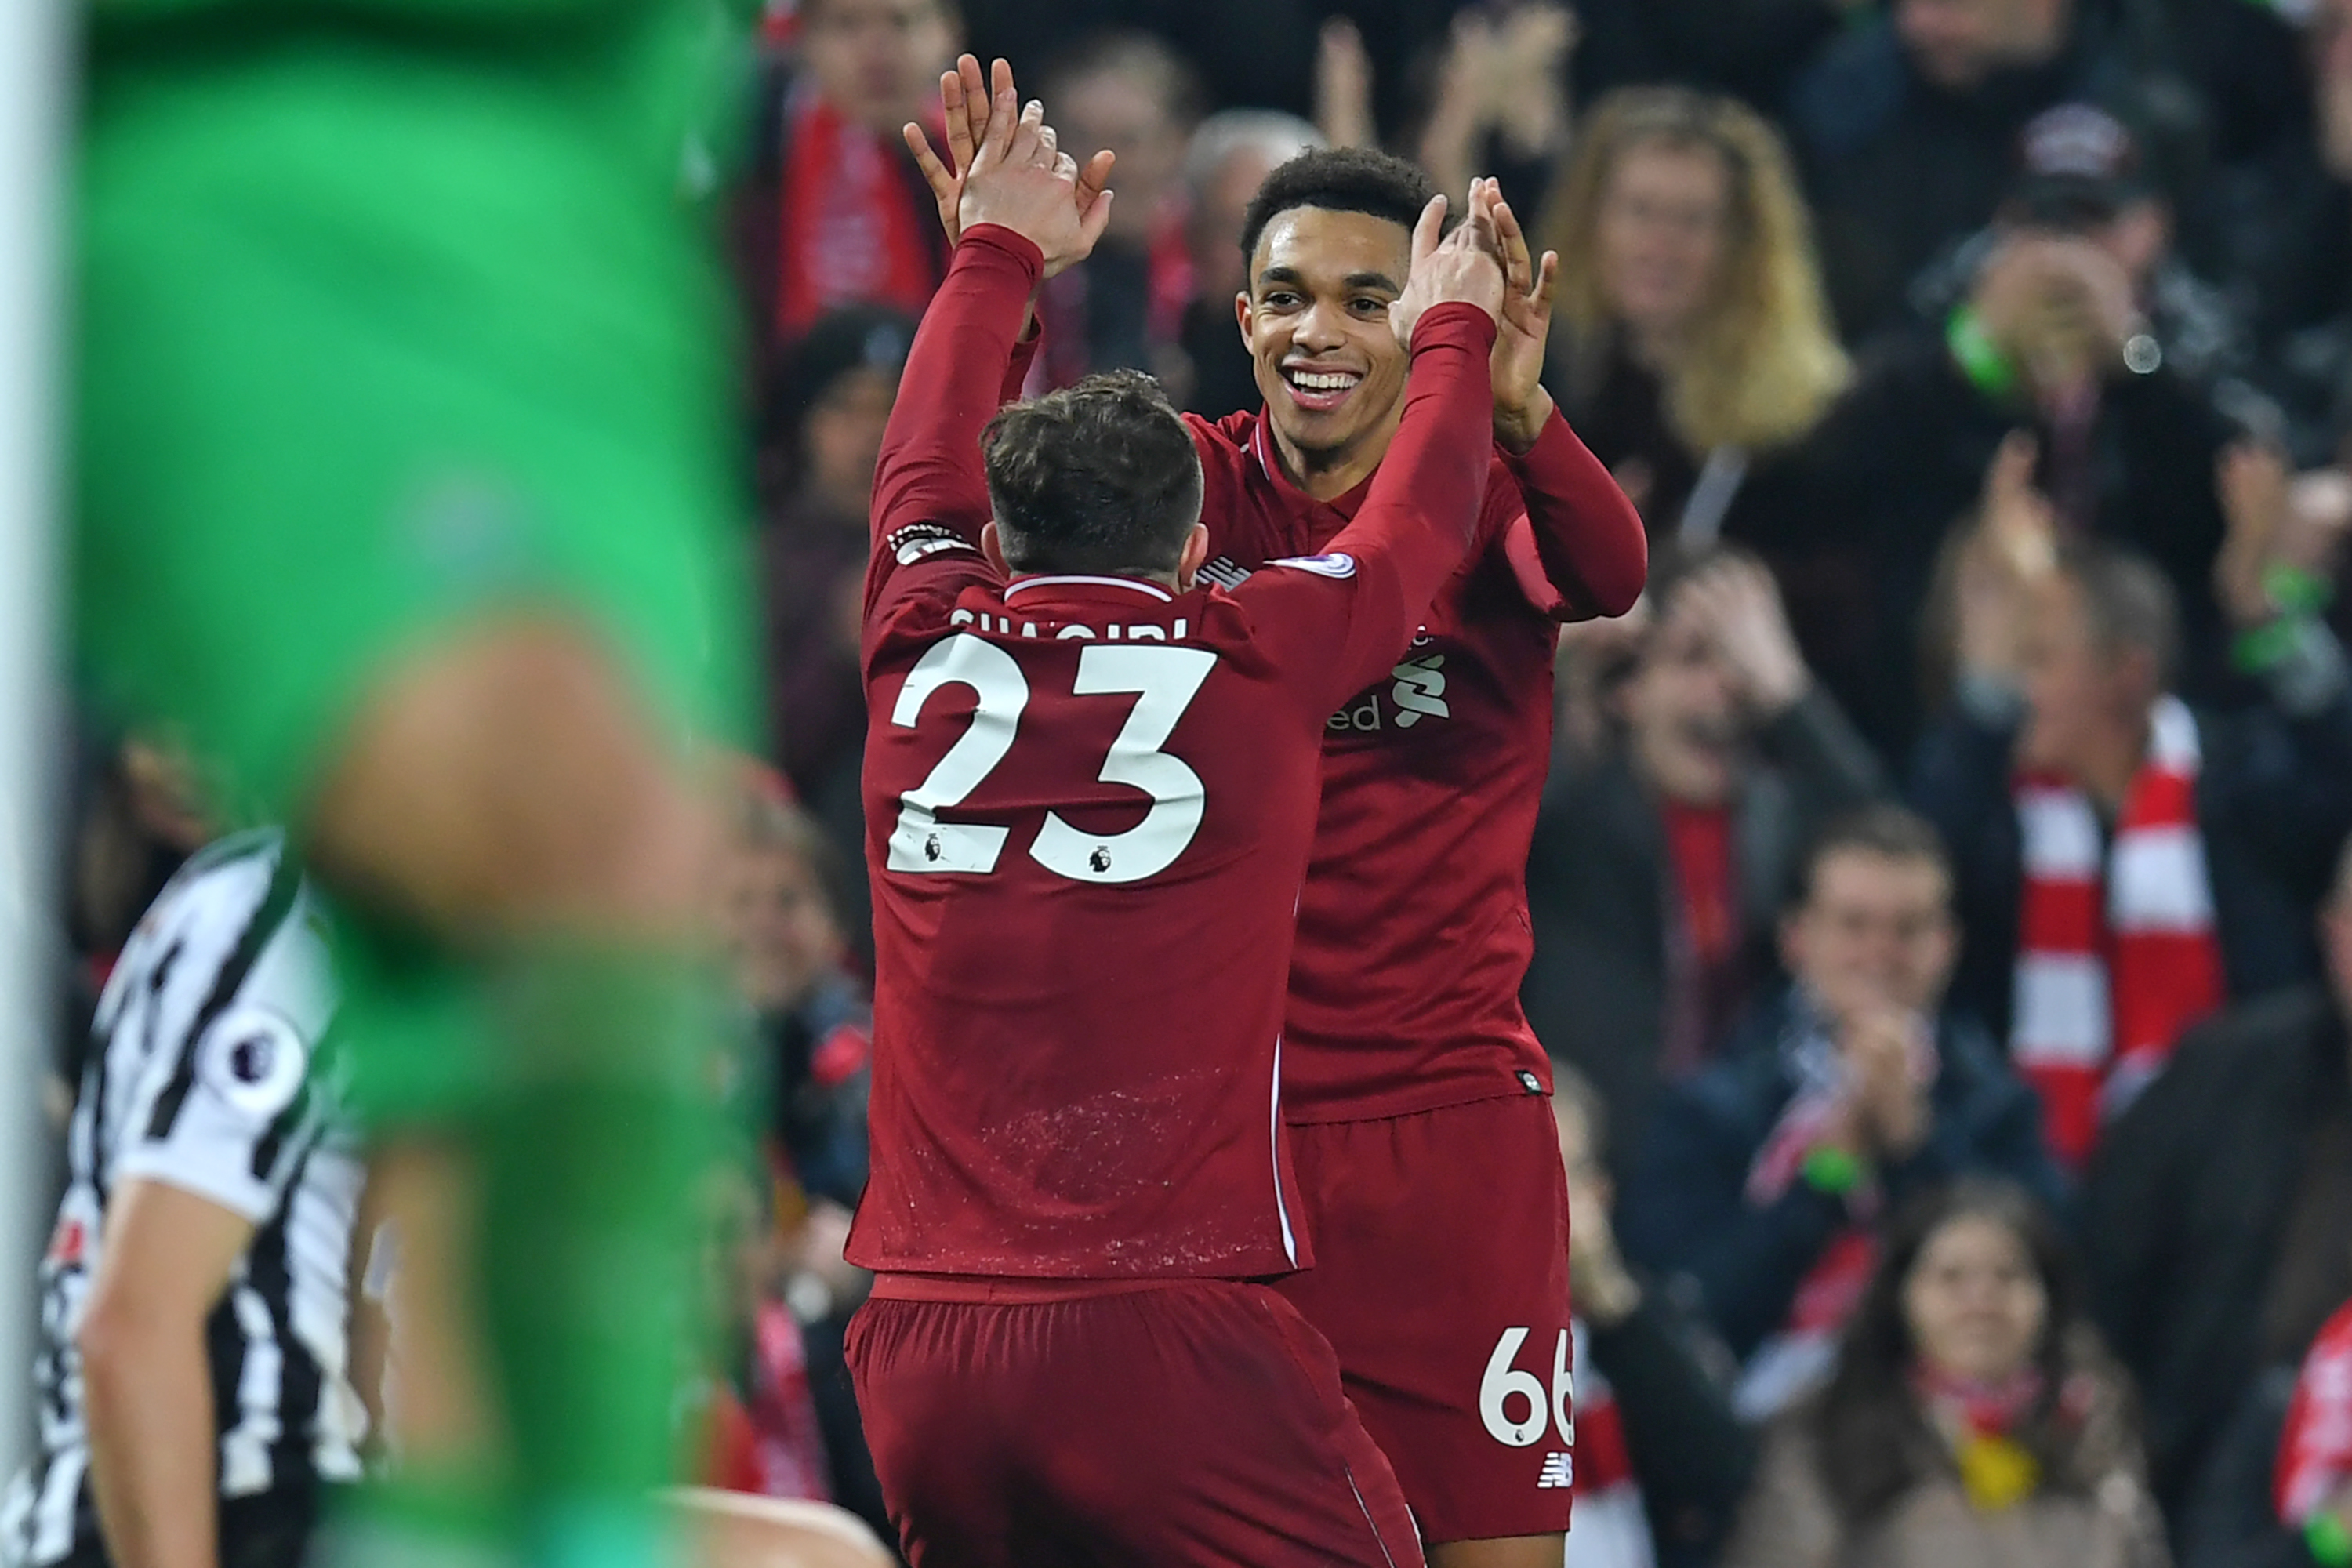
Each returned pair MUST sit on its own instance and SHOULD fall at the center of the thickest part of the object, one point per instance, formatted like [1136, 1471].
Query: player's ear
[1242, 315]
[991, 545]
[1196, 552]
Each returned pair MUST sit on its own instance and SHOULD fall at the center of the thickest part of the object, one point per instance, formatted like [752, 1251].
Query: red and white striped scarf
[1609, 1528]
[2116, 951]
[2314, 1458]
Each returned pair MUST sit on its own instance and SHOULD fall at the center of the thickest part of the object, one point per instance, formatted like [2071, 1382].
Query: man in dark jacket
[1941, 86]
[2064, 770]
[2048, 341]
[1659, 866]
[1662, 1459]
[1759, 1181]
[2219, 1214]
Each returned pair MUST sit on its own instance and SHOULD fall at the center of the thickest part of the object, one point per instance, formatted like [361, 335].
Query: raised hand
[2254, 485]
[970, 104]
[1740, 604]
[2010, 554]
[1020, 180]
[1465, 265]
[1523, 328]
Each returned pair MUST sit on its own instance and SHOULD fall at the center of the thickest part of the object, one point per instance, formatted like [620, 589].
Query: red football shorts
[1440, 1279]
[1198, 1421]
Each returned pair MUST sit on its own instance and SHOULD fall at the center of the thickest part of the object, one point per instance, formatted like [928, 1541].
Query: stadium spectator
[1498, 105]
[1971, 1418]
[1123, 307]
[1249, 54]
[1662, 1460]
[2050, 340]
[2219, 1233]
[1755, 49]
[1905, 125]
[1657, 866]
[2124, 865]
[2278, 226]
[812, 1033]
[194, 1373]
[838, 215]
[1693, 346]
[756, 1418]
[835, 397]
[1230, 154]
[2312, 1487]
[1761, 1180]
[2080, 174]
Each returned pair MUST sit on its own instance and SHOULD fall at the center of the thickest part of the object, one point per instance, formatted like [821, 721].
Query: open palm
[968, 101]
[1523, 328]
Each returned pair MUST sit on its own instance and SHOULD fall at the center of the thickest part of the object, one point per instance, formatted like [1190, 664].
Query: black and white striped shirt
[200, 1075]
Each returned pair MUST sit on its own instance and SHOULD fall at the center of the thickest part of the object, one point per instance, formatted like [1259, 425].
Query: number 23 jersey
[1089, 803]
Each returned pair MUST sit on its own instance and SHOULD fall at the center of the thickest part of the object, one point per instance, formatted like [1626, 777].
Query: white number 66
[1504, 1381]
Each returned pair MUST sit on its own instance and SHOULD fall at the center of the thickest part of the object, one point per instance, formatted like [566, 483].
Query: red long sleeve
[1417, 523]
[930, 468]
[1587, 534]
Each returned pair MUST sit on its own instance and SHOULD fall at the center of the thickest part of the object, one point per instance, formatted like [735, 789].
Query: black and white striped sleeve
[221, 1104]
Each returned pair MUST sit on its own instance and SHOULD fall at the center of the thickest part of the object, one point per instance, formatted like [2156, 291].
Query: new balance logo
[1558, 1470]
[1420, 690]
[1223, 572]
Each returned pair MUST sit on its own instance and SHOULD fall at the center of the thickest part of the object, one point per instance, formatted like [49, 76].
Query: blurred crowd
[1942, 904]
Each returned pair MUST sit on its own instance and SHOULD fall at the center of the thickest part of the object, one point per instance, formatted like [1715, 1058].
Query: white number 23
[1164, 679]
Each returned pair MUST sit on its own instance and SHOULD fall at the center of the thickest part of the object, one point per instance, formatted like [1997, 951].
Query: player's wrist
[1454, 322]
[1004, 240]
[1520, 425]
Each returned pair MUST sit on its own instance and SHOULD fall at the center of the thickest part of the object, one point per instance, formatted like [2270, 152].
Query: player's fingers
[935, 173]
[957, 104]
[1028, 137]
[1429, 229]
[1518, 265]
[1004, 113]
[1546, 282]
[1095, 219]
[1480, 222]
[976, 109]
[1094, 178]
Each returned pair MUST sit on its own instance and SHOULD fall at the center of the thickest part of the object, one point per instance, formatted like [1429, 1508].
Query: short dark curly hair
[1098, 478]
[1339, 180]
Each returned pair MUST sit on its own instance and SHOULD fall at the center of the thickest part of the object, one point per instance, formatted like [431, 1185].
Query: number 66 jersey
[1089, 805]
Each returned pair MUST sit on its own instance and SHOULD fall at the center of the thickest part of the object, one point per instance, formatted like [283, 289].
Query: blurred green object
[392, 315]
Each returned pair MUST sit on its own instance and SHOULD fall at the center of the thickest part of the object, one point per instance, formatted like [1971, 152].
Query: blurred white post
[33, 92]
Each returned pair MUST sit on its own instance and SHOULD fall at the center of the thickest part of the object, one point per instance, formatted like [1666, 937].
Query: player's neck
[1168, 580]
[1327, 475]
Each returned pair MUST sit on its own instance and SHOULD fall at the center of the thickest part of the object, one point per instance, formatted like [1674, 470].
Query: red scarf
[2116, 957]
[1984, 1409]
[2314, 1459]
[1609, 1528]
[853, 233]
[1704, 943]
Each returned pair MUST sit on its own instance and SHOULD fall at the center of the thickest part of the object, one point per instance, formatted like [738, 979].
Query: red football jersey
[1090, 804]
[1413, 931]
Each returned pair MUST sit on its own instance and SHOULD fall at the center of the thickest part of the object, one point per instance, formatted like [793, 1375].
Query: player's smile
[1319, 388]
[1316, 321]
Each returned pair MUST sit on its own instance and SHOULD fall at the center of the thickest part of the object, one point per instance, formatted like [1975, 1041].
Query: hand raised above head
[1021, 180]
[971, 107]
[1465, 266]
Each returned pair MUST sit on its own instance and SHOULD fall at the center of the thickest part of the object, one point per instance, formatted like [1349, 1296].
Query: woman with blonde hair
[1691, 345]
